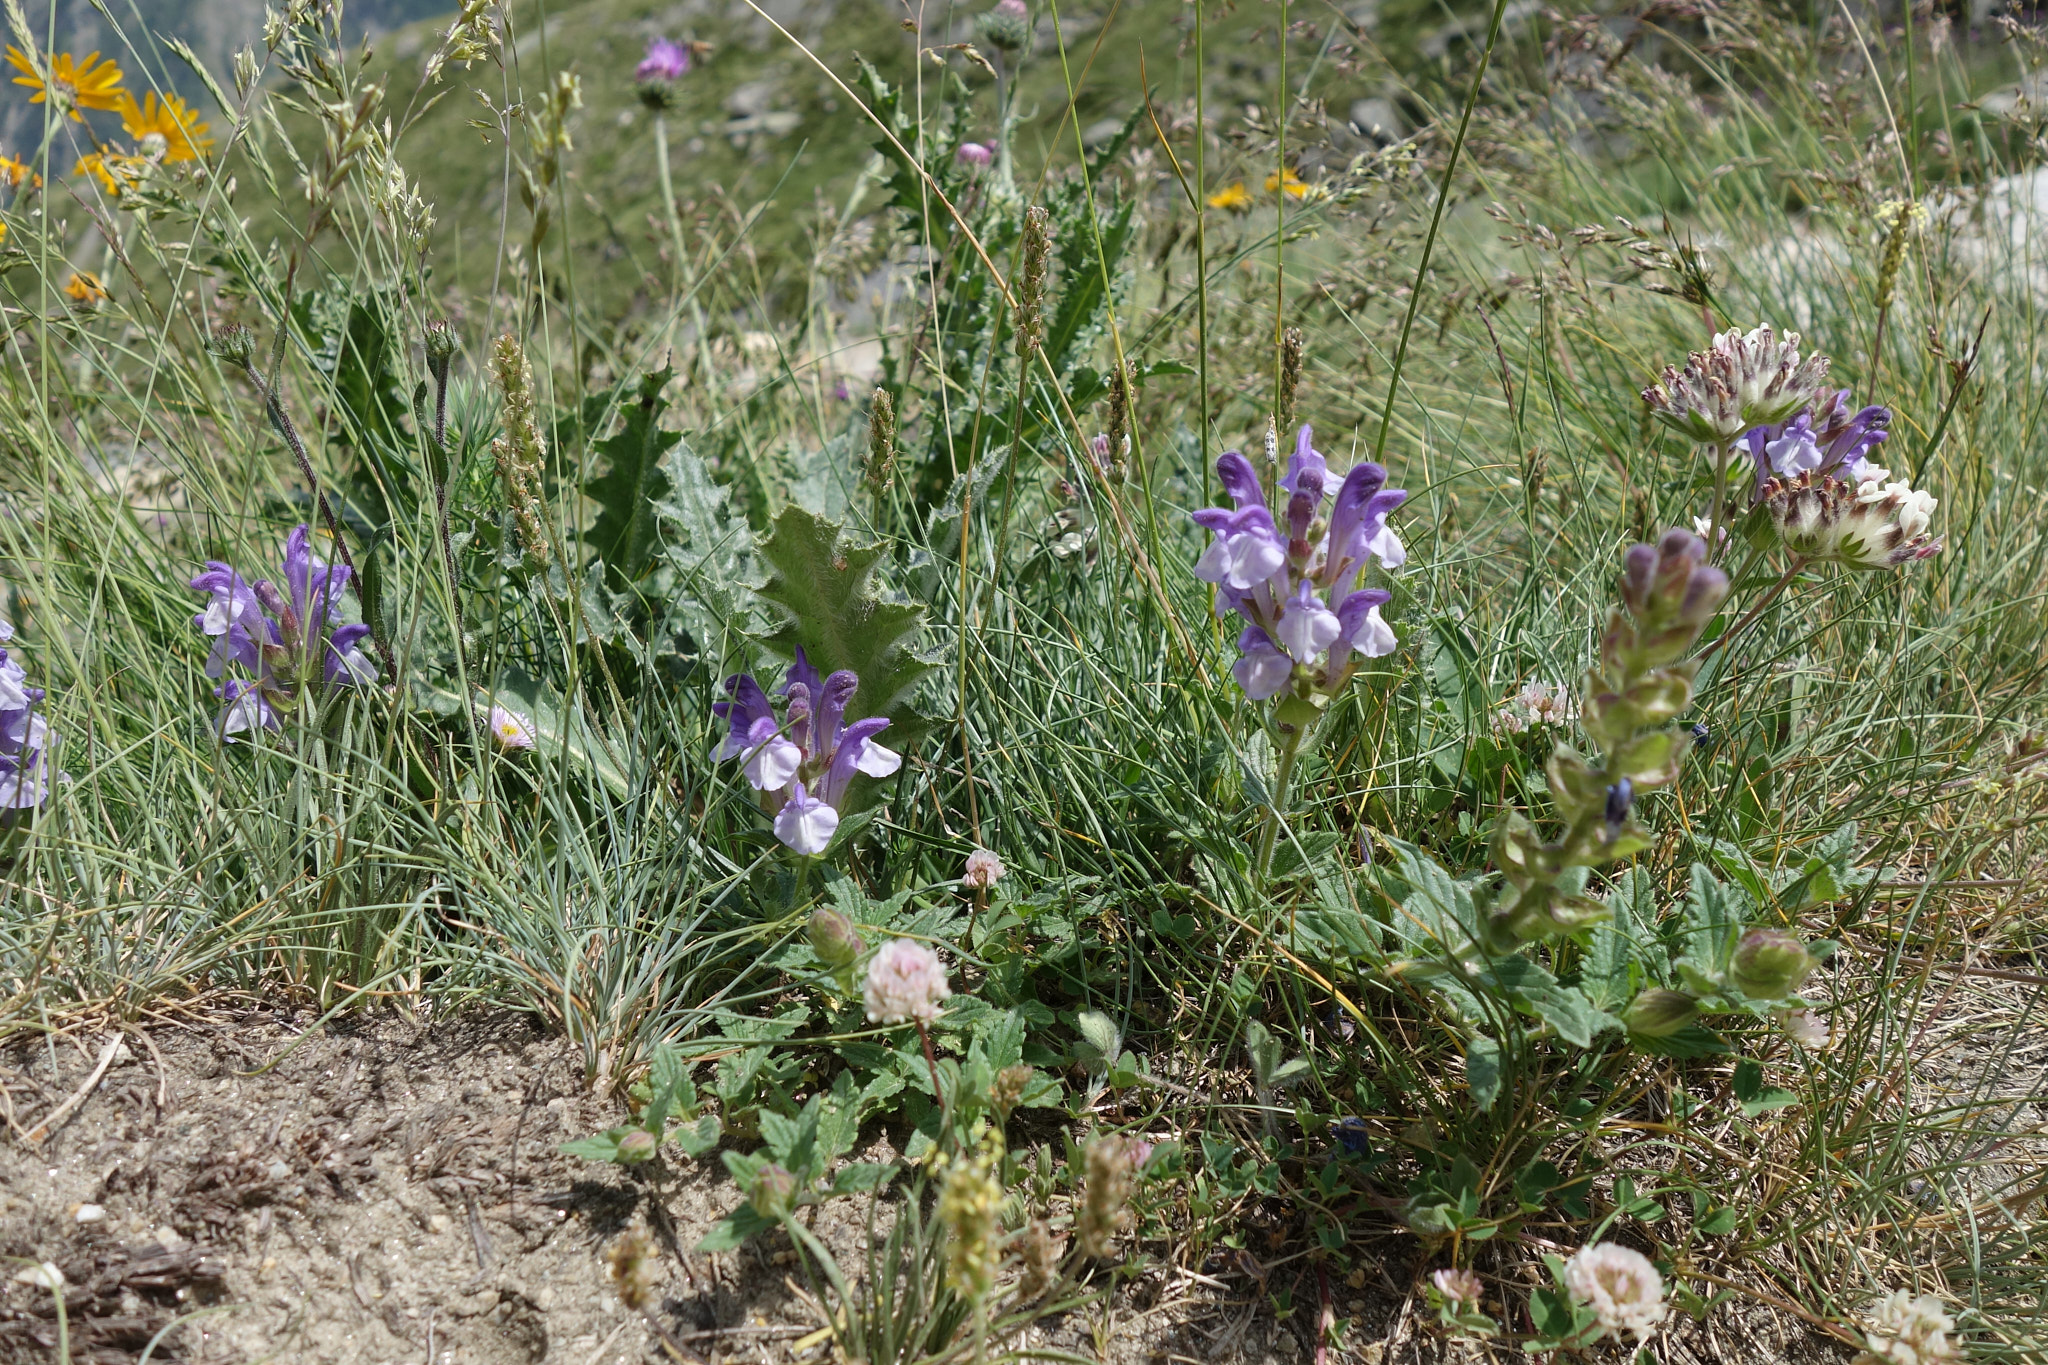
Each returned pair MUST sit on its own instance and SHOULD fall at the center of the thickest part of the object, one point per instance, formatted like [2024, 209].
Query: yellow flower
[86, 85]
[169, 121]
[14, 170]
[1235, 198]
[114, 171]
[1294, 185]
[84, 288]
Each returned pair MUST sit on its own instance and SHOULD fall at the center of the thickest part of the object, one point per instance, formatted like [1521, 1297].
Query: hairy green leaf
[625, 532]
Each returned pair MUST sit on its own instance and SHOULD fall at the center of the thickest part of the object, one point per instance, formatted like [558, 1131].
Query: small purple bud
[1660, 1013]
[974, 154]
[1620, 797]
[638, 1146]
[1769, 964]
[774, 1192]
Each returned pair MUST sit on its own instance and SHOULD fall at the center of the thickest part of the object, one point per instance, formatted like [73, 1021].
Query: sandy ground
[235, 1190]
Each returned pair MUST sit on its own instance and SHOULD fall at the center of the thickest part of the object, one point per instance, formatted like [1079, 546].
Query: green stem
[675, 234]
[1723, 454]
[1283, 783]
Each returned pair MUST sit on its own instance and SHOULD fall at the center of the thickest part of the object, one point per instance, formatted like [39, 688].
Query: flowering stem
[1722, 455]
[1798, 564]
[1283, 781]
[931, 1064]
[675, 233]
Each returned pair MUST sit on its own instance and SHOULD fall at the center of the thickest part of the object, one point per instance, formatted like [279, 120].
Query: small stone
[44, 1276]
[88, 1213]
[277, 1170]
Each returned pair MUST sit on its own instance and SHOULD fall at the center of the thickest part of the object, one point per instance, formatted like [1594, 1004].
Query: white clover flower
[1458, 1286]
[1870, 525]
[1808, 1029]
[984, 870]
[1537, 703]
[511, 729]
[1903, 1330]
[1621, 1287]
[906, 982]
[1737, 383]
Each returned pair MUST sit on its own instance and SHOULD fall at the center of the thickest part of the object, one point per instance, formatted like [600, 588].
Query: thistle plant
[1307, 622]
[1641, 682]
[287, 638]
[805, 764]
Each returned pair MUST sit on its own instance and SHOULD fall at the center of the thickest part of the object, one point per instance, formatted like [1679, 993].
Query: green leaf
[734, 1229]
[1533, 990]
[698, 1138]
[624, 534]
[1694, 1040]
[1753, 1095]
[861, 1176]
[598, 1146]
[1483, 1071]
[824, 583]
[1099, 1032]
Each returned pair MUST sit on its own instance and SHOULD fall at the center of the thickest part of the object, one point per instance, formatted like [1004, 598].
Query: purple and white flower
[974, 155]
[288, 636]
[1296, 584]
[808, 758]
[25, 739]
[1827, 438]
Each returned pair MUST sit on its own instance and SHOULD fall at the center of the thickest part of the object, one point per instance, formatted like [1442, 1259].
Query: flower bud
[1103, 1199]
[1460, 1287]
[1769, 964]
[1007, 1090]
[233, 343]
[774, 1192]
[1660, 1013]
[638, 1146]
[439, 341]
[834, 939]
[1007, 27]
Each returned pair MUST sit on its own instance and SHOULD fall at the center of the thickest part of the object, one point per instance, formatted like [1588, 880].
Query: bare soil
[240, 1190]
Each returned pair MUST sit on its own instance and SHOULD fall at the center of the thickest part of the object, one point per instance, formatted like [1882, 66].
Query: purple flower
[811, 756]
[24, 737]
[1826, 438]
[665, 61]
[974, 154]
[281, 635]
[1296, 587]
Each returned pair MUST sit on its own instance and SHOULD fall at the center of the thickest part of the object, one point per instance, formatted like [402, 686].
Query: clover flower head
[906, 983]
[984, 870]
[1294, 579]
[1740, 381]
[1901, 1329]
[1807, 1028]
[511, 730]
[809, 758]
[1458, 1286]
[974, 154]
[1622, 1288]
[1535, 704]
[1872, 525]
[666, 60]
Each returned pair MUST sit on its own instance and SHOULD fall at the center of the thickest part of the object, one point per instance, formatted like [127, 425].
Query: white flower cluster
[1737, 383]
[1903, 1330]
[1621, 1287]
[906, 983]
[1874, 523]
[1536, 704]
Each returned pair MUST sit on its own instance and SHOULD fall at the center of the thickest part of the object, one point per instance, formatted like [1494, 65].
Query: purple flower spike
[287, 636]
[233, 617]
[665, 61]
[811, 757]
[1285, 589]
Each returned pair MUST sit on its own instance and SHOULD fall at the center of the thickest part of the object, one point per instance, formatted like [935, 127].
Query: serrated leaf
[1567, 1010]
[824, 584]
[625, 533]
